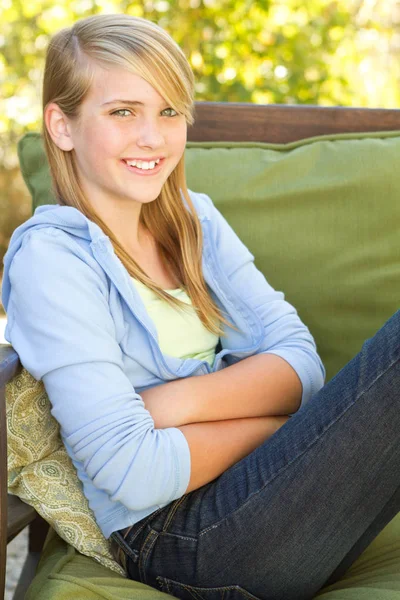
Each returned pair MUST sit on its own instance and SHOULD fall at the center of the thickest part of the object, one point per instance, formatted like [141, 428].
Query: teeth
[142, 164]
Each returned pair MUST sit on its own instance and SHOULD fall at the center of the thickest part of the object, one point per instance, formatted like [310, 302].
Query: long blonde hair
[145, 48]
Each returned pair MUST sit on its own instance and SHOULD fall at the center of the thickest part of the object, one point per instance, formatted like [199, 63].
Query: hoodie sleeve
[285, 334]
[60, 325]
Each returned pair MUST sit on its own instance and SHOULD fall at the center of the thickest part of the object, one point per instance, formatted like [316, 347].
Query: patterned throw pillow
[41, 473]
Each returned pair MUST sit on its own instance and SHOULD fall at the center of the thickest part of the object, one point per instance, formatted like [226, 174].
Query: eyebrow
[118, 101]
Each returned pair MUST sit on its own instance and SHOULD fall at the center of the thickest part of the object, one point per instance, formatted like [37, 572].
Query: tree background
[324, 52]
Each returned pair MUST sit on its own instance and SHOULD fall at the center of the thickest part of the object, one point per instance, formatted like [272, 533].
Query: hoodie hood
[67, 218]
[70, 220]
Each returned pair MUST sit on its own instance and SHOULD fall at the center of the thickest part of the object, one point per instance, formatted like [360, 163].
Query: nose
[150, 134]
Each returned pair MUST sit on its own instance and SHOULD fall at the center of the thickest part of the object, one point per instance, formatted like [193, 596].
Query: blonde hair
[145, 48]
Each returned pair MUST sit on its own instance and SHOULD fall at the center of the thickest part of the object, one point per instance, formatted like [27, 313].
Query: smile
[141, 167]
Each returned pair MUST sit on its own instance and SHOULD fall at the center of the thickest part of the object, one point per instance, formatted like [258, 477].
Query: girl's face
[123, 119]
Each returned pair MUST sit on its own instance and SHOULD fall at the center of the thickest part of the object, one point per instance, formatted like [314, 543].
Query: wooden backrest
[276, 123]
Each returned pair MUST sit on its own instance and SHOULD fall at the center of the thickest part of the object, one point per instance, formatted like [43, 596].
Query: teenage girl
[190, 395]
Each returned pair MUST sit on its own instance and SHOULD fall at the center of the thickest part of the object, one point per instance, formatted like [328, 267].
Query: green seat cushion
[320, 216]
[375, 575]
[63, 573]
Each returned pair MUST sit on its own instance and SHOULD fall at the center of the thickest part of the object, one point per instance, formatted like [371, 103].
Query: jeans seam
[135, 534]
[395, 360]
[191, 591]
[181, 537]
[120, 541]
[145, 553]
[172, 512]
[315, 441]
[192, 588]
[140, 556]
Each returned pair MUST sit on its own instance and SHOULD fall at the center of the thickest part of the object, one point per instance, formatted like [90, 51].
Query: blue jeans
[293, 515]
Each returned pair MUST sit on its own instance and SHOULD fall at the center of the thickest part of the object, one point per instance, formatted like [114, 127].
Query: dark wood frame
[283, 123]
[214, 122]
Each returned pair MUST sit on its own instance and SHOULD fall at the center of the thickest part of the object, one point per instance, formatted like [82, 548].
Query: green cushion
[63, 574]
[375, 575]
[320, 215]
[321, 218]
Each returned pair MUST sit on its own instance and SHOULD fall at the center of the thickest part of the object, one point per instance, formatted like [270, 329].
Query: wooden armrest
[19, 516]
[9, 367]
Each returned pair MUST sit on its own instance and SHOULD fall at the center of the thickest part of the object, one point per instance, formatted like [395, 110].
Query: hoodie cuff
[182, 462]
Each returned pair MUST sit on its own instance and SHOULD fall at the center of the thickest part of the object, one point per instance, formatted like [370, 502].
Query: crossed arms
[227, 414]
[259, 386]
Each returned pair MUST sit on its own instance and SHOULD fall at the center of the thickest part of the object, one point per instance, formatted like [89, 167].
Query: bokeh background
[324, 52]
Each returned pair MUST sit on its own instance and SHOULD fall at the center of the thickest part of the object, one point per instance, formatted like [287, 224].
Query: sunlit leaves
[275, 51]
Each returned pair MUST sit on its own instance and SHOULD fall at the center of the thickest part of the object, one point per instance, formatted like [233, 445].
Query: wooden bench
[214, 122]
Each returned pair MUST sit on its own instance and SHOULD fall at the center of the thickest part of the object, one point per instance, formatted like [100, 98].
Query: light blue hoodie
[77, 322]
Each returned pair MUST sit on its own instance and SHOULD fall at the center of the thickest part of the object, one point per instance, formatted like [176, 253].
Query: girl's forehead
[116, 84]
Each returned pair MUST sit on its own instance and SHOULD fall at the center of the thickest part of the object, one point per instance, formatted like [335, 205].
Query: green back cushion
[320, 216]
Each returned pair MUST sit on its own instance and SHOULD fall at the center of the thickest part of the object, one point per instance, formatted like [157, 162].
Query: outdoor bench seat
[314, 193]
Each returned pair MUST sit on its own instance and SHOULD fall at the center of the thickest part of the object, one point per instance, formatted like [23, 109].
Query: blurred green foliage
[326, 52]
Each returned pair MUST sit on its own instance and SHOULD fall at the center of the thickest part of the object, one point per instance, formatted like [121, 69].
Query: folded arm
[216, 446]
[257, 386]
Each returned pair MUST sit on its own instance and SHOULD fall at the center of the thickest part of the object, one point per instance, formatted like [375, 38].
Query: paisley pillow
[41, 473]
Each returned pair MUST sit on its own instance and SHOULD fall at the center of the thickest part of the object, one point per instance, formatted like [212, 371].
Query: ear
[58, 127]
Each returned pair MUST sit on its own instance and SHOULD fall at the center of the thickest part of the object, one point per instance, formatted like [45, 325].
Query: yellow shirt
[180, 332]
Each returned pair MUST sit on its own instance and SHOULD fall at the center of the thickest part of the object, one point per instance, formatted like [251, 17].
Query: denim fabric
[296, 512]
